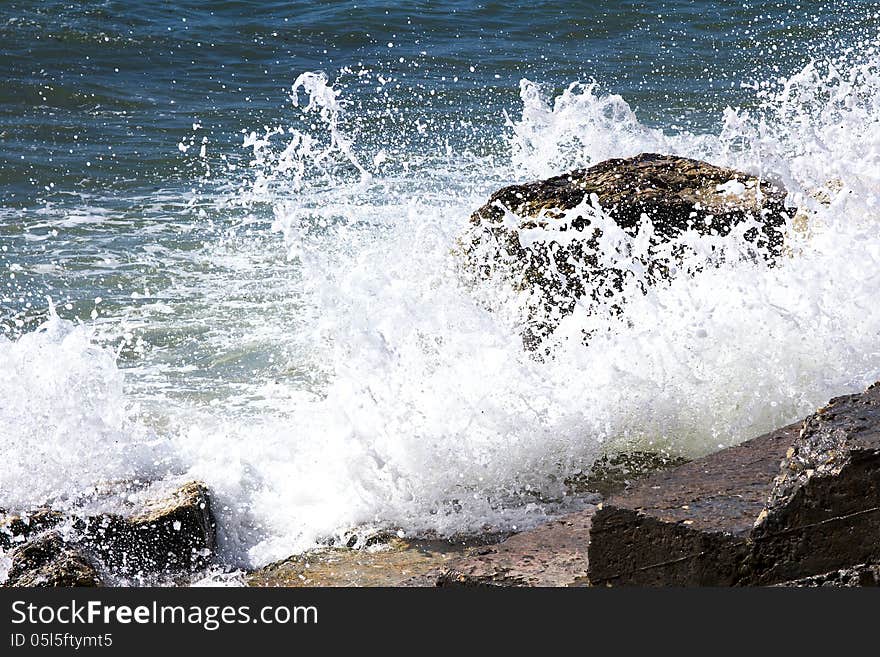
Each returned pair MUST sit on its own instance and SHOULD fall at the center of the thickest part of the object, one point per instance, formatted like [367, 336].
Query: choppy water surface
[244, 216]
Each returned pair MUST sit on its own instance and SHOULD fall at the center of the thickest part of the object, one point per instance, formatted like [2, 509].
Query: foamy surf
[395, 396]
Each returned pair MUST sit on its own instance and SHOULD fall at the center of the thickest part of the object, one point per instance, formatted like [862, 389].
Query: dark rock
[690, 525]
[675, 194]
[738, 517]
[173, 533]
[856, 576]
[553, 554]
[50, 561]
[18, 528]
[824, 509]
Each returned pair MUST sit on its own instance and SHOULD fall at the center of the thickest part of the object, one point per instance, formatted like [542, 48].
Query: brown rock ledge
[554, 554]
[800, 501]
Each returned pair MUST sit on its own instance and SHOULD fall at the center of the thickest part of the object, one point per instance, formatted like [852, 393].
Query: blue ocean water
[236, 218]
[96, 97]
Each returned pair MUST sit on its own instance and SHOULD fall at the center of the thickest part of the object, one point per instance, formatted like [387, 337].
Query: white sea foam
[64, 419]
[423, 413]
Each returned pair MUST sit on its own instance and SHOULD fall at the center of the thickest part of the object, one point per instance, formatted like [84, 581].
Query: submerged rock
[525, 235]
[389, 563]
[738, 517]
[50, 561]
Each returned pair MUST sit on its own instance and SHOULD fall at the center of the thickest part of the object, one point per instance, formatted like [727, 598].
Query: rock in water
[50, 561]
[173, 533]
[526, 234]
[19, 527]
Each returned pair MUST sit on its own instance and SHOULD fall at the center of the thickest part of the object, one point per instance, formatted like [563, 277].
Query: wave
[400, 397]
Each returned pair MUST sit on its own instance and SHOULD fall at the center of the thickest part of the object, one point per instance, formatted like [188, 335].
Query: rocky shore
[799, 506]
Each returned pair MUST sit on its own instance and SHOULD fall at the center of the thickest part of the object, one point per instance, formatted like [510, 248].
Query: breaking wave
[400, 397]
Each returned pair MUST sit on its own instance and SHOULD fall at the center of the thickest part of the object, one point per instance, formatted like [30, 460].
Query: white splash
[422, 412]
[324, 99]
[64, 419]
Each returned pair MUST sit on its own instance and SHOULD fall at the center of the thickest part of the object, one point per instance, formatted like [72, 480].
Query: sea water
[228, 236]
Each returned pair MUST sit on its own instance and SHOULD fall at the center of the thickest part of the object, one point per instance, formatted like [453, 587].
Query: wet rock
[50, 561]
[612, 473]
[521, 234]
[824, 508]
[168, 534]
[16, 528]
[553, 554]
[800, 501]
[856, 576]
[176, 532]
[382, 564]
[690, 525]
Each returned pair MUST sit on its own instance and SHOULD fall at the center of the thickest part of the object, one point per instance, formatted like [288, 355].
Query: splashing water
[65, 419]
[403, 398]
[323, 98]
